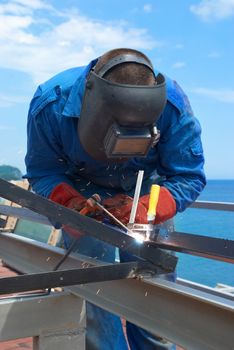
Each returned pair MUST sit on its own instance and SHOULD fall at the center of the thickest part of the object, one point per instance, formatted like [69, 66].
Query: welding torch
[91, 205]
[95, 202]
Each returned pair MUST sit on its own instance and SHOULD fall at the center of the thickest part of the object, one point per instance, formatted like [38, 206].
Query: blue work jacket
[55, 154]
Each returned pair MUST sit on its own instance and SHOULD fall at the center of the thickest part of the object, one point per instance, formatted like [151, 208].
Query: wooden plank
[12, 221]
[54, 236]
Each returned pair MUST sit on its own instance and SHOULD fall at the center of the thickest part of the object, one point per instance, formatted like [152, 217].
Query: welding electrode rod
[136, 196]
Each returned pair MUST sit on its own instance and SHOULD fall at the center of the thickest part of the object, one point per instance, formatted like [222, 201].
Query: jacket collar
[73, 105]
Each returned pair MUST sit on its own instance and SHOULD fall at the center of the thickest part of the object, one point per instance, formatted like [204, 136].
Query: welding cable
[45, 292]
[64, 257]
[88, 209]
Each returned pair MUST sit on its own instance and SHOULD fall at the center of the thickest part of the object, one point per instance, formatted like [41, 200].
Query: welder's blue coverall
[55, 155]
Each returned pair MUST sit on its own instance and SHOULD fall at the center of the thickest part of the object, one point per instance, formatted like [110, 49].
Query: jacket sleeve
[45, 162]
[181, 156]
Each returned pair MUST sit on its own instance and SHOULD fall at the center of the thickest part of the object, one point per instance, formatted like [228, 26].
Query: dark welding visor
[121, 142]
[118, 120]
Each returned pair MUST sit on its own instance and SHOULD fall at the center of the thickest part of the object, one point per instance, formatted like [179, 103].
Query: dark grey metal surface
[193, 244]
[213, 205]
[72, 277]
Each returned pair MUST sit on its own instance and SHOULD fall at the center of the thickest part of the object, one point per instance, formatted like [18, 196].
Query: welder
[90, 130]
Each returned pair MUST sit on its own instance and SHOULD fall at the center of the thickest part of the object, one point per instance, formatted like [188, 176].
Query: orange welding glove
[120, 206]
[65, 195]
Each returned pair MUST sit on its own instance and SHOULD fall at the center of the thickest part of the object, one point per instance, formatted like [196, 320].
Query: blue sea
[208, 223]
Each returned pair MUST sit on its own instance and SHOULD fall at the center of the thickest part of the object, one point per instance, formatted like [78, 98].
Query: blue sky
[190, 41]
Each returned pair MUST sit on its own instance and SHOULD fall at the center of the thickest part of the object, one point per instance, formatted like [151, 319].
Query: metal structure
[191, 315]
[195, 318]
[53, 321]
[209, 247]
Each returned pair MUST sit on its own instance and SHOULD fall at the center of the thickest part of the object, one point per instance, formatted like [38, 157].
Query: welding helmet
[118, 121]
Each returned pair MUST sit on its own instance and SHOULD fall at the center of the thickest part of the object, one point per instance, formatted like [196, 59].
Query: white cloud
[221, 95]
[23, 7]
[34, 4]
[147, 8]
[208, 10]
[178, 65]
[42, 43]
[13, 30]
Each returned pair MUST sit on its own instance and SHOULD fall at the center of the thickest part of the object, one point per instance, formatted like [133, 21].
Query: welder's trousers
[104, 329]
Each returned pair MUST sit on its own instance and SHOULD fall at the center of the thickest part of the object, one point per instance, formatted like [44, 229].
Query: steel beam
[58, 313]
[214, 291]
[193, 318]
[71, 277]
[208, 247]
[23, 213]
[27, 214]
[213, 205]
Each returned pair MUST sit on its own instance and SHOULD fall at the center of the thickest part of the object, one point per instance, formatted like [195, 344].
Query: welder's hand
[166, 207]
[65, 195]
[120, 206]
